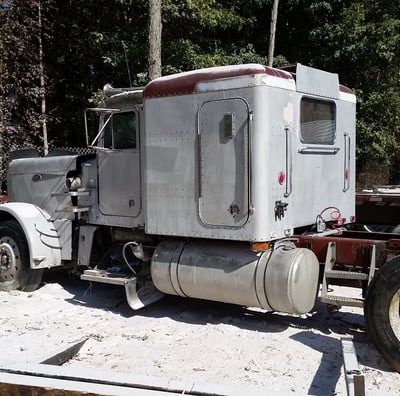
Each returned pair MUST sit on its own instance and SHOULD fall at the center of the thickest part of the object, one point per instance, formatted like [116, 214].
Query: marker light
[260, 246]
[281, 178]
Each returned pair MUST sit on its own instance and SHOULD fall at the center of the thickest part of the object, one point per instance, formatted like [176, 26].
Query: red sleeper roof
[185, 83]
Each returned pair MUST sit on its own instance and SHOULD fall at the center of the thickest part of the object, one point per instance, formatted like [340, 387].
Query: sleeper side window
[317, 121]
[120, 131]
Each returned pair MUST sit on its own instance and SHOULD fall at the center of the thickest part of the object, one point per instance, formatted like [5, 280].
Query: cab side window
[317, 121]
[120, 131]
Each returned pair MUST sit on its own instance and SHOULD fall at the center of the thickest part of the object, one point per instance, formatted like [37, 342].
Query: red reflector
[361, 199]
[353, 218]
[346, 174]
[281, 178]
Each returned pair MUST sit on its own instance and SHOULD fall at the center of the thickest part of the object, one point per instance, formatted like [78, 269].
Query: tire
[15, 271]
[382, 311]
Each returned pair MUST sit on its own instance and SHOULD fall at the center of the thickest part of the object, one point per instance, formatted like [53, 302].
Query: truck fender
[41, 235]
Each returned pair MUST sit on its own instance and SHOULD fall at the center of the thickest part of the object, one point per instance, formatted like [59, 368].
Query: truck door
[223, 162]
[119, 166]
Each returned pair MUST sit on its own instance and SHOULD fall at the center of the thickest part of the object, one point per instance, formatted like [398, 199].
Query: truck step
[136, 298]
[84, 193]
[330, 273]
[74, 209]
[103, 276]
[334, 274]
[341, 300]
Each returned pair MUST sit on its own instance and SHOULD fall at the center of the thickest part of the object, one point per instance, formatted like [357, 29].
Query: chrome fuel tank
[284, 279]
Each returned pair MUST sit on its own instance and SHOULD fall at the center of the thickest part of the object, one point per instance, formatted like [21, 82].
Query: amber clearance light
[260, 246]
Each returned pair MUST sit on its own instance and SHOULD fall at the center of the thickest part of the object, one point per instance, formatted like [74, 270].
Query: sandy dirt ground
[183, 339]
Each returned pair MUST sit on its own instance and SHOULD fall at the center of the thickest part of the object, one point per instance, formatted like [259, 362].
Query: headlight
[73, 183]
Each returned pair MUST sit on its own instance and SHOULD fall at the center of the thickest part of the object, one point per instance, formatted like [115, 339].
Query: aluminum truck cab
[247, 152]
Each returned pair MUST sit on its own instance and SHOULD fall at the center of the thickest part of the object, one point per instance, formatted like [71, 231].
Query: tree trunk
[42, 86]
[155, 28]
[274, 17]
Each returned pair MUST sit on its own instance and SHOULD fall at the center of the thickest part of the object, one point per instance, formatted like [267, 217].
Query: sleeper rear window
[317, 121]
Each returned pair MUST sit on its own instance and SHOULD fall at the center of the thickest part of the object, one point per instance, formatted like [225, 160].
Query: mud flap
[146, 295]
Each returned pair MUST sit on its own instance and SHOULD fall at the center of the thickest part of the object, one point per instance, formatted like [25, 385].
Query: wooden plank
[95, 381]
[24, 385]
[15, 389]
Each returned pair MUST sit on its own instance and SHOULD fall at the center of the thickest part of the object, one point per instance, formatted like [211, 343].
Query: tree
[22, 70]
[271, 46]
[155, 28]
[42, 81]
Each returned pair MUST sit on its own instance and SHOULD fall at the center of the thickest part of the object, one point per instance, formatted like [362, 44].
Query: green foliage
[203, 33]
[20, 92]
[362, 43]
[280, 61]
[379, 127]
[204, 14]
[92, 45]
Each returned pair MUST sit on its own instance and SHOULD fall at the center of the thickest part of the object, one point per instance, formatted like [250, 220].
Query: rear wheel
[15, 271]
[382, 311]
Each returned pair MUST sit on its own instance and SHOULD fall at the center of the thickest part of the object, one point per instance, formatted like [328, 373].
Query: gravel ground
[183, 339]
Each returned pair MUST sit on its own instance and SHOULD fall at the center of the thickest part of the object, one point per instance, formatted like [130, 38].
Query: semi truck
[233, 184]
